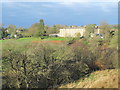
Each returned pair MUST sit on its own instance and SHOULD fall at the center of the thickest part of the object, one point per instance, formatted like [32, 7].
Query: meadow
[33, 39]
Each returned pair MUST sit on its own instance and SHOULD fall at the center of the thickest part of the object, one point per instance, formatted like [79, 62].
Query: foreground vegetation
[41, 65]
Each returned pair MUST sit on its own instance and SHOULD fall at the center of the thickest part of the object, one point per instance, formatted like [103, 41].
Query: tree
[90, 28]
[47, 29]
[78, 35]
[53, 29]
[20, 28]
[12, 30]
[105, 29]
[114, 41]
[36, 30]
[33, 30]
[3, 33]
[41, 28]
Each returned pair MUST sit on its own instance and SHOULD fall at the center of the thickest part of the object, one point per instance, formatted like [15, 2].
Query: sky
[66, 13]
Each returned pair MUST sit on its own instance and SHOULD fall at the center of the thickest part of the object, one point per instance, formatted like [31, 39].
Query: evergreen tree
[41, 28]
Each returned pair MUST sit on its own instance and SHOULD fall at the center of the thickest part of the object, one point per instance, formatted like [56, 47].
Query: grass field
[35, 39]
[22, 43]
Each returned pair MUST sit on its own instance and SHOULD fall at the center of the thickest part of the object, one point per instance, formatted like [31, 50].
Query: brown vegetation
[55, 42]
[98, 79]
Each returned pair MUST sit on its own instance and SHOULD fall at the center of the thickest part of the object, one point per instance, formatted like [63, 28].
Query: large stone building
[77, 31]
[71, 32]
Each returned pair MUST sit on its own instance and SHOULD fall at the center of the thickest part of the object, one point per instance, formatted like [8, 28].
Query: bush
[108, 59]
[50, 63]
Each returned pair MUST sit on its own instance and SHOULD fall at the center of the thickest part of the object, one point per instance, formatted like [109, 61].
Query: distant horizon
[5, 26]
[70, 13]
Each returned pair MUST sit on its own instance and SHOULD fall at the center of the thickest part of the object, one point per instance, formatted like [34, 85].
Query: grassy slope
[98, 79]
[24, 43]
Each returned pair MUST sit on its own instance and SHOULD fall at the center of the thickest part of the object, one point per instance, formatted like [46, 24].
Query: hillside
[98, 79]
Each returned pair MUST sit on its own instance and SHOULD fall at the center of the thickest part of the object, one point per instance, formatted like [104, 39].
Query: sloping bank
[98, 79]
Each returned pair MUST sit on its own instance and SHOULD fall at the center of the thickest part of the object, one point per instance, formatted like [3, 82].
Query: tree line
[40, 29]
[35, 30]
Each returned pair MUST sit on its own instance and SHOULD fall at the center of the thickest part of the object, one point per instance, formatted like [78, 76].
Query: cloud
[60, 1]
[25, 9]
[107, 7]
[45, 8]
[16, 5]
[71, 3]
[47, 5]
[104, 6]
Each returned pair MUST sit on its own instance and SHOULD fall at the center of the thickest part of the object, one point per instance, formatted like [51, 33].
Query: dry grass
[98, 79]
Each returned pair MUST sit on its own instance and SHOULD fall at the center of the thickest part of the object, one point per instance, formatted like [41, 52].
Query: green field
[35, 39]
[22, 43]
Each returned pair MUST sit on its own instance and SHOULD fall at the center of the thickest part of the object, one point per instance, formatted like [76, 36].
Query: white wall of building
[71, 32]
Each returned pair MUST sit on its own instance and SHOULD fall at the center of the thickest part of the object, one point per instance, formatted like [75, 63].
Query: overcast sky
[68, 13]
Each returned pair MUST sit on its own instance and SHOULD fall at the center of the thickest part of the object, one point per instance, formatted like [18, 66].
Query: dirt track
[55, 42]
